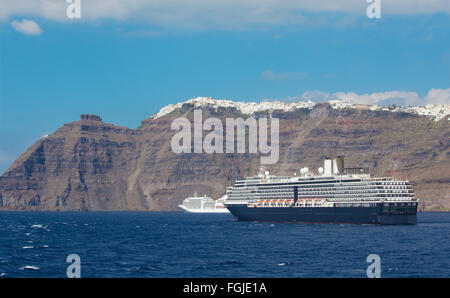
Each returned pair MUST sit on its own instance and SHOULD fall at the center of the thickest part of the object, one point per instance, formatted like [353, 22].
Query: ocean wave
[284, 264]
[30, 267]
[232, 261]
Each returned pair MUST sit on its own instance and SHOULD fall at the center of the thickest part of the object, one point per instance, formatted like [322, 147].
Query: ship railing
[335, 184]
[382, 179]
[396, 185]
[373, 199]
[365, 195]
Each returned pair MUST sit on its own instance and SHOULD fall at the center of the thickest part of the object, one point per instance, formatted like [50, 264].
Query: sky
[126, 59]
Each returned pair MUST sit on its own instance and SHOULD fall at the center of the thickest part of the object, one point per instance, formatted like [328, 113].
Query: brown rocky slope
[91, 165]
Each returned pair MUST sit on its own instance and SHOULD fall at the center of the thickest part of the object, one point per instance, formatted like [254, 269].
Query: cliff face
[91, 165]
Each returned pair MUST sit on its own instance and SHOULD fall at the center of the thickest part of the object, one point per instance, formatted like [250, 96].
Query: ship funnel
[327, 166]
[338, 165]
[333, 166]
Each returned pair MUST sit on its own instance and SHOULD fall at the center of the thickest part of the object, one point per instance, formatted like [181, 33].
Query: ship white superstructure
[334, 186]
[204, 204]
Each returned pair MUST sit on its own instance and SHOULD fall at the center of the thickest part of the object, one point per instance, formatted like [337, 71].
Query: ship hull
[338, 215]
[205, 210]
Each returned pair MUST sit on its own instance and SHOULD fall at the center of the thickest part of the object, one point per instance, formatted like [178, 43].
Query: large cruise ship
[204, 205]
[334, 195]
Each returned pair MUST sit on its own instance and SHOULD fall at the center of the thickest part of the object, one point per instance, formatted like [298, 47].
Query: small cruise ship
[334, 195]
[204, 204]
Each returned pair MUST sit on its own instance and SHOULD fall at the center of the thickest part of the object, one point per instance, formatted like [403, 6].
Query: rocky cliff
[92, 165]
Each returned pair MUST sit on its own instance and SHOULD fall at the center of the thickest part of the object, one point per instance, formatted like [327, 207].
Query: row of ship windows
[397, 201]
[333, 187]
[326, 194]
[398, 204]
[319, 193]
[337, 196]
[345, 199]
[316, 193]
[338, 191]
[325, 183]
[355, 205]
[291, 190]
[374, 204]
[373, 198]
[354, 192]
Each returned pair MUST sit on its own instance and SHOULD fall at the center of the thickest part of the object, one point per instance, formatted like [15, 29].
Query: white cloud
[316, 96]
[441, 96]
[213, 14]
[279, 76]
[404, 98]
[27, 27]
[382, 98]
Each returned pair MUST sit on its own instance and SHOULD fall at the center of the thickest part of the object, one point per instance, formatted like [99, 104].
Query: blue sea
[177, 244]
